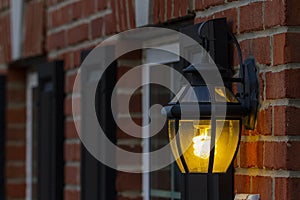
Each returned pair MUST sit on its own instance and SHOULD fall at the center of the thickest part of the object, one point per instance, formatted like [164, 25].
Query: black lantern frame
[245, 103]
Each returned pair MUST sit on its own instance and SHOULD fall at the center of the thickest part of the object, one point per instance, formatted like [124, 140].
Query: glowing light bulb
[201, 141]
[201, 146]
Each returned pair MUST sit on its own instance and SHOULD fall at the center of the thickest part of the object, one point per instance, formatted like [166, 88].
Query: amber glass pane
[195, 143]
[226, 144]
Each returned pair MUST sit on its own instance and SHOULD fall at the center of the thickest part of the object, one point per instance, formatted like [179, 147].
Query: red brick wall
[5, 47]
[73, 26]
[15, 134]
[267, 161]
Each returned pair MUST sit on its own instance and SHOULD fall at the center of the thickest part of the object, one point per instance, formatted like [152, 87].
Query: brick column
[16, 135]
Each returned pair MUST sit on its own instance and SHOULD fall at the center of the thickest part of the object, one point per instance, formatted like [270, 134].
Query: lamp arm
[242, 65]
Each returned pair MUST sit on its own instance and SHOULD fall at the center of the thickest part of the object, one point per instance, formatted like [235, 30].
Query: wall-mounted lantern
[208, 142]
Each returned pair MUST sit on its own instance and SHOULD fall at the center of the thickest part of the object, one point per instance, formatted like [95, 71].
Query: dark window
[98, 180]
[50, 131]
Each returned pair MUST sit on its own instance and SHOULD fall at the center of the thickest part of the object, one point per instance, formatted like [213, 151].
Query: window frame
[97, 179]
[50, 131]
[169, 42]
[32, 82]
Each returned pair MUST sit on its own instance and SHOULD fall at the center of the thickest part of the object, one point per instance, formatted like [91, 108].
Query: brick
[162, 11]
[184, 7]
[261, 50]
[77, 58]
[34, 31]
[16, 95]
[56, 41]
[68, 106]
[275, 155]
[292, 13]
[279, 52]
[72, 175]
[169, 10]
[128, 82]
[231, 15]
[286, 119]
[132, 55]
[283, 84]
[17, 76]
[4, 4]
[156, 11]
[114, 7]
[122, 70]
[246, 47]
[241, 184]
[71, 194]
[15, 134]
[70, 130]
[97, 27]
[203, 4]
[121, 16]
[70, 79]
[135, 103]
[110, 24]
[122, 183]
[77, 11]
[101, 4]
[177, 8]
[131, 11]
[15, 153]
[15, 190]
[264, 121]
[68, 60]
[286, 48]
[72, 152]
[251, 154]
[61, 16]
[125, 122]
[5, 42]
[293, 149]
[281, 155]
[15, 171]
[88, 7]
[122, 122]
[251, 17]
[17, 115]
[51, 2]
[271, 7]
[124, 14]
[78, 34]
[263, 186]
[287, 188]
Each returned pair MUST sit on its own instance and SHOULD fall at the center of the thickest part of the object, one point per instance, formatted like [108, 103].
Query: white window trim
[32, 82]
[149, 56]
[142, 8]
[16, 15]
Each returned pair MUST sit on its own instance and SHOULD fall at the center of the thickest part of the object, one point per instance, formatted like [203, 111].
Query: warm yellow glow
[195, 144]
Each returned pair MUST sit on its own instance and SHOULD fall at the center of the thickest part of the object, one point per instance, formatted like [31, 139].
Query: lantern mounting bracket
[248, 92]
